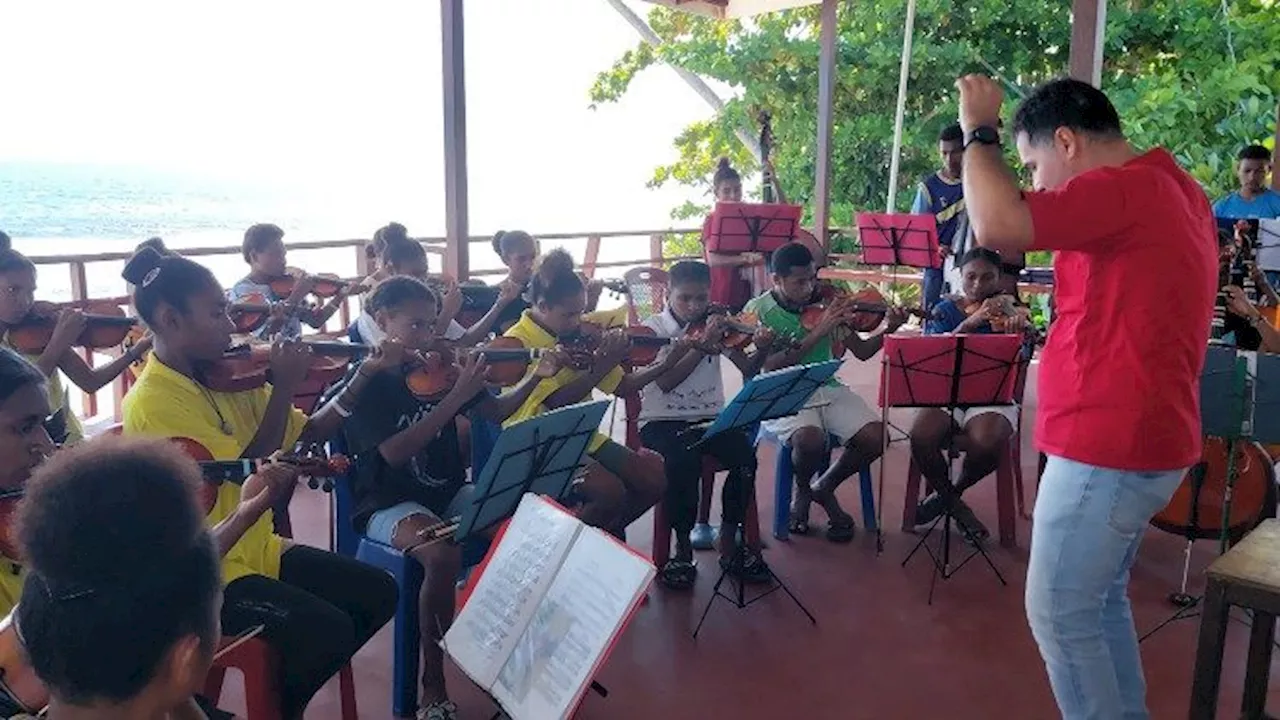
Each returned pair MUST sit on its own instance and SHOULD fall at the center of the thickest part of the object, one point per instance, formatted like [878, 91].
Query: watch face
[985, 135]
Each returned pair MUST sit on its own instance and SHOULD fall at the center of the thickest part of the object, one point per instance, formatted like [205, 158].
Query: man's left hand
[980, 100]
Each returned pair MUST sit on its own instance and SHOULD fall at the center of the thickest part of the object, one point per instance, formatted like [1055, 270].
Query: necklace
[222, 421]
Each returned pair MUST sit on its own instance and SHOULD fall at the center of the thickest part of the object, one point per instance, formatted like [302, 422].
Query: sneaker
[442, 710]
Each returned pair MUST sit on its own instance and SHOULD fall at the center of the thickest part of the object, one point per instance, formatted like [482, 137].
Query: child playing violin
[692, 392]
[621, 484]
[410, 472]
[981, 432]
[17, 303]
[264, 251]
[318, 608]
[838, 411]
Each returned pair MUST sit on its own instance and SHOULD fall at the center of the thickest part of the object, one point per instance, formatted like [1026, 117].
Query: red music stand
[951, 372]
[899, 239]
[752, 227]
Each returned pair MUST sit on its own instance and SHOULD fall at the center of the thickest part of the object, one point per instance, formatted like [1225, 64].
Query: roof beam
[457, 260]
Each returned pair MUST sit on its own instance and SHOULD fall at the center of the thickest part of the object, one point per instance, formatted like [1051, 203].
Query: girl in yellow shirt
[621, 484]
[318, 608]
[17, 297]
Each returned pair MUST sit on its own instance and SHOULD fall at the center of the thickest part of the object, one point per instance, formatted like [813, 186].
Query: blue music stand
[764, 397]
[539, 455]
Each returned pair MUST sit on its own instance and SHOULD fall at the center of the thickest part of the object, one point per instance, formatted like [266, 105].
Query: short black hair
[11, 259]
[505, 240]
[1066, 103]
[120, 566]
[1254, 152]
[981, 253]
[689, 271]
[16, 372]
[170, 279]
[258, 237]
[951, 133]
[554, 279]
[399, 251]
[155, 243]
[790, 256]
[395, 291]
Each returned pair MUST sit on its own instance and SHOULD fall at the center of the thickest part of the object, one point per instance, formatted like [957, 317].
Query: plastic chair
[784, 482]
[258, 663]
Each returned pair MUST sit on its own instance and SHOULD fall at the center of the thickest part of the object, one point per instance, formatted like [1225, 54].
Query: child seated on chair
[620, 484]
[409, 472]
[981, 432]
[834, 409]
[689, 394]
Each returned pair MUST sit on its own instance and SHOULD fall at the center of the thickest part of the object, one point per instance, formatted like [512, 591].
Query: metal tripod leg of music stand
[942, 566]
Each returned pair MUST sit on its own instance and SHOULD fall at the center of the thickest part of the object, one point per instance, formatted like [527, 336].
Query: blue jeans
[932, 287]
[1089, 522]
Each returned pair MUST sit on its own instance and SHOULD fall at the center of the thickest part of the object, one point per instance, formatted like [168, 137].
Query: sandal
[970, 526]
[841, 530]
[703, 536]
[798, 523]
[439, 710]
[753, 571]
[678, 574]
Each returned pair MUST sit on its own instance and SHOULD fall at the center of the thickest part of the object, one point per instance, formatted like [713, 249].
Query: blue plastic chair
[783, 482]
[408, 574]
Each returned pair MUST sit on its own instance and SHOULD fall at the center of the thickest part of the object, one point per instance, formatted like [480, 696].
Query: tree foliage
[1199, 77]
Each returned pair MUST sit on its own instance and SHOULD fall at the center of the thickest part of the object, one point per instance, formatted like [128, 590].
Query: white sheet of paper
[584, 609]
[507, 594]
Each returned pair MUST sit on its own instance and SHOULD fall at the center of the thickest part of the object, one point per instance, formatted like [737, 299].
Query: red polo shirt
[1135, 276]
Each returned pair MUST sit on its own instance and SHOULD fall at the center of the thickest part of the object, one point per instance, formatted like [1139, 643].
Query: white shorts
[1008, 412]
[834, 408]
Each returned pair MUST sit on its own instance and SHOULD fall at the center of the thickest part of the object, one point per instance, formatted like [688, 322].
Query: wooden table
[1247, 575]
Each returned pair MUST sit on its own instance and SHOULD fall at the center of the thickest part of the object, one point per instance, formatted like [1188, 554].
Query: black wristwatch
[984, 134]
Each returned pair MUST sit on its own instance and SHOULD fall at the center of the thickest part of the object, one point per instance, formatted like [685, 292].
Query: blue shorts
[383, 523]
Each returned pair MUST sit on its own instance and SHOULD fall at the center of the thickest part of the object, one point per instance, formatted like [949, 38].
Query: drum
[1196, 509]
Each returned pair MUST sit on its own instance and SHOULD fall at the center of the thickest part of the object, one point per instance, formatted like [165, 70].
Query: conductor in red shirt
[1135, 274]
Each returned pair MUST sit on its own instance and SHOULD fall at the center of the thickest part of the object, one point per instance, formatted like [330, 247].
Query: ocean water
[54, 209]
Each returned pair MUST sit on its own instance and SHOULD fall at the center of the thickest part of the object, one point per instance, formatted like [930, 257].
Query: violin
[253, 312]
[1007, 309]
[325, 285]
[868, 305]
[248, 366]
[107, 327]
[643, 344]
[434, 373]
[317, 468]
[739, 330]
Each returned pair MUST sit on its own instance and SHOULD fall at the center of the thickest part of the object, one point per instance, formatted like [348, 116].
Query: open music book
[551, 599]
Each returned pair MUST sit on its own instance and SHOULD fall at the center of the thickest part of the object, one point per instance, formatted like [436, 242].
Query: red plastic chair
[259, 664]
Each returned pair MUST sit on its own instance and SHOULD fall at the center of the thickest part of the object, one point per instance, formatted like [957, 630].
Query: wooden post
[1088, 31]
[591, 257]
[826, 100]
[457, 238]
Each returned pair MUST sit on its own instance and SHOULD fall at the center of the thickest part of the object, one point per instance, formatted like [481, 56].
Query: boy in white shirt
[692, 393]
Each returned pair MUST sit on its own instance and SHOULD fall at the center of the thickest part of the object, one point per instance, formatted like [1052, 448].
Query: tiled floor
[878, 650]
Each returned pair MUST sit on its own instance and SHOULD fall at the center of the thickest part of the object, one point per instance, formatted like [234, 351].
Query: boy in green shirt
[834, 409]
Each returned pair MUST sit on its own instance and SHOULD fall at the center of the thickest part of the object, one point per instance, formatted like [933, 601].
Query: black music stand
[540, 455]
[764, 397]
[1234, 386]
[949, 372]
[752, 227]
[899, 239]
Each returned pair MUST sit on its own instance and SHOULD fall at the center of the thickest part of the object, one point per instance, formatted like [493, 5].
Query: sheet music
[1268, 244]
[584, 609]
[508, 592]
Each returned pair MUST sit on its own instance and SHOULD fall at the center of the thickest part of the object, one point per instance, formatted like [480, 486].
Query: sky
[342, 103]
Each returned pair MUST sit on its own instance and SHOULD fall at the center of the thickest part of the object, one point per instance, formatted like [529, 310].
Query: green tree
[1199, 77]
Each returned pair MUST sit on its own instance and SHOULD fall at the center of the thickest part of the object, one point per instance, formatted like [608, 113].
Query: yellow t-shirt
[534, 335]
[12, 576]
[58, 399]
[166, 403]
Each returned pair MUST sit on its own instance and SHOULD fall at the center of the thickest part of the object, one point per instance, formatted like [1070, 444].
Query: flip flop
[841, 531]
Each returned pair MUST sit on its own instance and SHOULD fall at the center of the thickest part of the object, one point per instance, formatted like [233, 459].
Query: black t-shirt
[510, 314]
[431, 477]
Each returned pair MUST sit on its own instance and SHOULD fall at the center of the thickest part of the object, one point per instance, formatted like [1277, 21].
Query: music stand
[899, 239]
[950, 372]
[752, 227]
[766, 396]
[538, 455]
